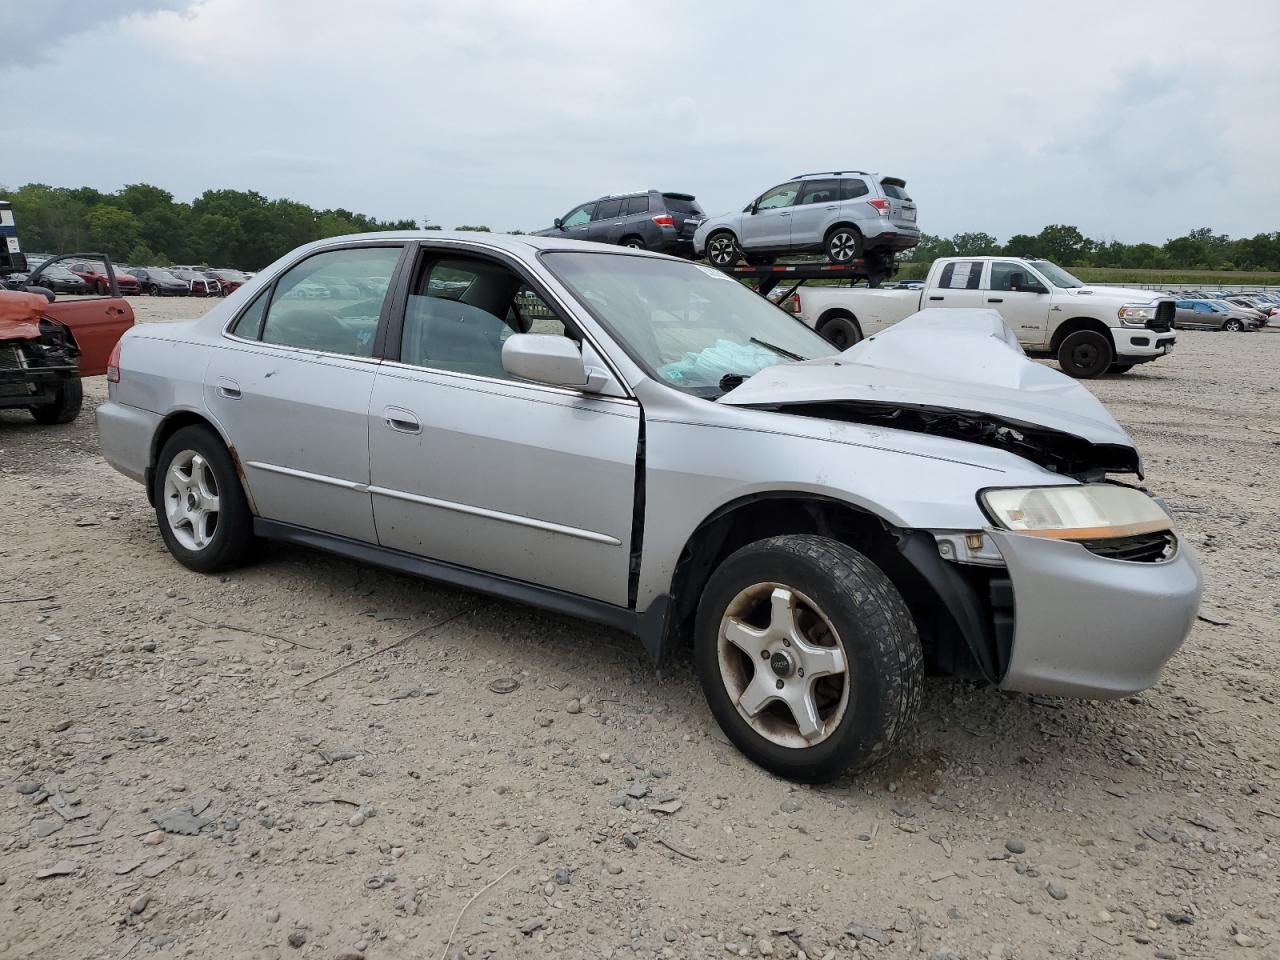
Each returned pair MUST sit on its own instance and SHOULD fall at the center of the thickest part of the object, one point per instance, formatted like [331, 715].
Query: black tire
[153, 290]
[722, 249]
[1085, 354]
[1119, 368]
[841, 330]
[883, 658]
[1233, 326]
[635, 243]
[232, 541]
[65, 406]
[843, 244]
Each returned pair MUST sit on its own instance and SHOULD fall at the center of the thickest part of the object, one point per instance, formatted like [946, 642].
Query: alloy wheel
[843, 246]
[191, 500]
[783, 665]
[721, 251]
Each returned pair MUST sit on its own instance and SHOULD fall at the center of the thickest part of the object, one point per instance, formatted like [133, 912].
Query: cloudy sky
[1133, 120]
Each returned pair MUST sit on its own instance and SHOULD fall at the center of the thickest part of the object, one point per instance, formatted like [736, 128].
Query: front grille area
[10, 359]
[1141, 548]
[1164, 316]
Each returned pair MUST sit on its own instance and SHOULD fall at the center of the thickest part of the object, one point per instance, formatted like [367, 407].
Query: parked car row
[844, 214]
[89, 276]
[1201, 310]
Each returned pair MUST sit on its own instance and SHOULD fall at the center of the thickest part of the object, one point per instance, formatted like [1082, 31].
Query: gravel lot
[594, 810]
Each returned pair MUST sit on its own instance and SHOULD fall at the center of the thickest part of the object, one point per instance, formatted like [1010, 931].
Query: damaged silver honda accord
[643, 442]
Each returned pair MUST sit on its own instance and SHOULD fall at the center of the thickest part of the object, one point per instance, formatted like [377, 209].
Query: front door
[818, 205]
[473, 467]
[1021, 299]
[577, 222]
[769, 227]
[290, 388]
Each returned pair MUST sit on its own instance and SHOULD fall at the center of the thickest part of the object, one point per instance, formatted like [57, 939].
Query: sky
[1132, 120]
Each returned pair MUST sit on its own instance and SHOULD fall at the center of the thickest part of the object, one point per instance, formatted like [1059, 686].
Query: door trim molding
[304, 475]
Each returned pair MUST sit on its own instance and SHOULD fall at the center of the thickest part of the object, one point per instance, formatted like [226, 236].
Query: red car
[229, 280]
[94, 273]
[201, 286]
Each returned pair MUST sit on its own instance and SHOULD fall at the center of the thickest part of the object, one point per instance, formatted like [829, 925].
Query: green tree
[112, 231]
[975, 244]
[473, 229]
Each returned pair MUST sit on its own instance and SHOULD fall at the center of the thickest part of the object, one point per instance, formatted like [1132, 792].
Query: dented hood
[20, 315]
[966, 361]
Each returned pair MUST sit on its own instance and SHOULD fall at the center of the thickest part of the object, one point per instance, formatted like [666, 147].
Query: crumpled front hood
[20, 314]
[958, 360]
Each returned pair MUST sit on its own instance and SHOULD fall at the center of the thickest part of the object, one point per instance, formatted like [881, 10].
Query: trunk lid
[685, 212]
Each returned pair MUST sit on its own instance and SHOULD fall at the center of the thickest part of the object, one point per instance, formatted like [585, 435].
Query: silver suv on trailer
[644, 442]
[844, 214]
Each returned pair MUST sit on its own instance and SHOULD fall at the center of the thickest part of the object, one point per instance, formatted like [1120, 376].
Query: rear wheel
[204, 516]
[841, 330]
[722, 249]
[1235, 326]
[843, 245]
[808, 657]
[65, 407]
[153, 290]
[1085, 354]
[635, 243]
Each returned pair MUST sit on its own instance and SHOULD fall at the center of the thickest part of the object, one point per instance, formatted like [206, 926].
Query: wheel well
[1068, 327]
[848, 226]
[631, 236]
[170, 426]
[832, 314]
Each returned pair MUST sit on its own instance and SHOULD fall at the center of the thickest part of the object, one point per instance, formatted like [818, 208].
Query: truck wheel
[808, 657]
[841, 330]
[1235, 326]
[843, 245]
[204, 516]
[1085, 354]
[1119, 368]
[65, 407]
[723, 250]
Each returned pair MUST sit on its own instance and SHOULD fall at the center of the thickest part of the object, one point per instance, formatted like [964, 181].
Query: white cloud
[1139, 120]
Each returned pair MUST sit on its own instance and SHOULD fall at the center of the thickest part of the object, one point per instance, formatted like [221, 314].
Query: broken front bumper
[1090, 626]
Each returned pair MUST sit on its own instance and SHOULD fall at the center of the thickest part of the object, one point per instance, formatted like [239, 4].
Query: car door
[577, 222]
[473, 467]
[1184, 313]
[766, 224]
[815, 208]
[958, 285]
[606, 222]
[290, 389]
[1020, 298]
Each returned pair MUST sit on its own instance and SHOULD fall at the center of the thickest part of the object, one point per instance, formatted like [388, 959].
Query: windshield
[157, 274]
[689, 326]
[1056, 275]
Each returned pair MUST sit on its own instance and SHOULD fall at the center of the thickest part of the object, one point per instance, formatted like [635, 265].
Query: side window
[607, 209]
[853, 189]
[960, 275]
[638, 204]
[783, 195]
[331, 301]
[249, 323]
[820, 191]
[1008, 276]
[1185, 305]
[578, 216]
[461, 310]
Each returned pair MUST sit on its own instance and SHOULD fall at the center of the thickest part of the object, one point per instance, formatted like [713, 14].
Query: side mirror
[552, 360]
[559, 224]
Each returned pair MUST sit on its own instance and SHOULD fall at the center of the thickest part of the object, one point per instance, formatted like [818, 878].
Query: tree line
[1201, 249]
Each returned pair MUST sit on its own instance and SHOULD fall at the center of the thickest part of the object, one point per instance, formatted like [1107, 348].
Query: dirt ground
[594, 810]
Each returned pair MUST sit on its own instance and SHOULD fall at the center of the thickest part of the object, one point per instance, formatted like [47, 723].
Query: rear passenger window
[607, 209]
[961, 275]
[638, 204]
[852, 189]
[330, 302]
[820, 191]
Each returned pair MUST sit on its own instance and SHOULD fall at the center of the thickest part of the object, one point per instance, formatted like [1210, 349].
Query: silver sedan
[646, 443]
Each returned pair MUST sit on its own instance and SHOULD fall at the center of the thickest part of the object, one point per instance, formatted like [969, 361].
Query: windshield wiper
[778, 350]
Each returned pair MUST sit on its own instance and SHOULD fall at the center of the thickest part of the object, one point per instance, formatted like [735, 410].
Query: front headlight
[1136, 314]
[1091, 512]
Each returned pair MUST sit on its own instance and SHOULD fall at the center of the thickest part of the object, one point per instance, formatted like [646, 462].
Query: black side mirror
[559, 224]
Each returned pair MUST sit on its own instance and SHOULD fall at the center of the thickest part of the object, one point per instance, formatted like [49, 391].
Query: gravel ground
[181, 775]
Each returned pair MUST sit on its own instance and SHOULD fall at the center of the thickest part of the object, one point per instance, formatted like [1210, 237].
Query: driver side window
[780, 196]
[1013, 278]
[578, 216]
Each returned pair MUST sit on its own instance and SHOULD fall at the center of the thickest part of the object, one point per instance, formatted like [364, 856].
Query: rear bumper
[1141, 344]
[893, 236]
[1089, 626]
[125, 434]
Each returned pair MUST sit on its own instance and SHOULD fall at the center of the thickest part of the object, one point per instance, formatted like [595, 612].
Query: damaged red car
[39, 360]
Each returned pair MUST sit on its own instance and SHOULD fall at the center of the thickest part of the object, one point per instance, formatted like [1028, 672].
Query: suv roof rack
[830, 173]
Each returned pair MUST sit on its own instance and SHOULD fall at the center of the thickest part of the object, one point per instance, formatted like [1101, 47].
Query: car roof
[835, 173]
[519, 244]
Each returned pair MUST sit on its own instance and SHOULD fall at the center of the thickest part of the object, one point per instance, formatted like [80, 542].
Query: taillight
[793, 303]
[113, 364]
[881, 205]
[664, 220]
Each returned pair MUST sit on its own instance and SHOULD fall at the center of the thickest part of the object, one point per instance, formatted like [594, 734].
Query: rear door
[767, 222]
[607, 221]
[1012, 289]
[817, 206]
[902, 209]
[958, 285]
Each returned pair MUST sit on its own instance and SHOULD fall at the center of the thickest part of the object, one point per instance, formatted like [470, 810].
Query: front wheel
[722, 249]
[808, 657]
[64, 407]
[843, 245]
[204, 516]
[1235, 326]
[1085, 354]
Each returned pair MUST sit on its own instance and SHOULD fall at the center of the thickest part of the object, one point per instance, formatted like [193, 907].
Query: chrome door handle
[401, 420]
[228, 388]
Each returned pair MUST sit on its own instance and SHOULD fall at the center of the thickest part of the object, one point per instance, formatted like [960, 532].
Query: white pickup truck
[1088, 330]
